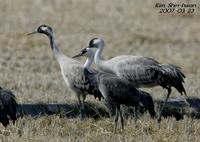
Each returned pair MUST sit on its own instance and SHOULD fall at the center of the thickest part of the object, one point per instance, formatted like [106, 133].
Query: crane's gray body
[143, 71]
[72, 71]
[73, 74]
[140, 71]
[76, 77]
[115, 90]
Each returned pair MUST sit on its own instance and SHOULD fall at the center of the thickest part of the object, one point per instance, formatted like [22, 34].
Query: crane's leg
[116, 118]
[121, 118]
[83, 105]
[80, 107]
[161, 109]
[135, 115]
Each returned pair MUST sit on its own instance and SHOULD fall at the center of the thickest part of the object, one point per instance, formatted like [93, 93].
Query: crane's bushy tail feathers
[173, 77]
[147, 102]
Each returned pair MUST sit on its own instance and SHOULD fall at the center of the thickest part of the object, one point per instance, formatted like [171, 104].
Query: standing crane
[72, 70]
[116, 91]
[140, 71]
[8, 107]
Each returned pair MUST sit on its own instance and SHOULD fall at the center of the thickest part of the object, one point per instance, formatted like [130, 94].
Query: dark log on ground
[64, 110]
[177, 108]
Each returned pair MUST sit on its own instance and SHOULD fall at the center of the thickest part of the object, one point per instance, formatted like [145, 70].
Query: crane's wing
[80, 78]
[143, 71]
[115, 88]
[140, 71]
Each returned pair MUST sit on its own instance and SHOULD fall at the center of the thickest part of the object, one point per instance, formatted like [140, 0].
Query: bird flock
[118, 80]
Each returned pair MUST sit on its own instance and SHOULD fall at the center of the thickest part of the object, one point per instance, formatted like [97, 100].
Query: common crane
[140, 71]
[116, 91]
[8, 107]
[72, 70]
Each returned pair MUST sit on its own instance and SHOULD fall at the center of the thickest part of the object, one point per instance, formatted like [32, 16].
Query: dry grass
[54, 128]
[128, 27]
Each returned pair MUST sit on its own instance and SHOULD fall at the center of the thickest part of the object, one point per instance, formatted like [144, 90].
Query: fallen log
[65, 110]
[180, 107]
[177, 108]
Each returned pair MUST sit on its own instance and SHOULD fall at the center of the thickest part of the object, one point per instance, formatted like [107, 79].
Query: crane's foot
[116, 119]
[82, 114]
[159, 116]
[135, 116]
[82, 117]
[159, 121]
[158, 124]
[115, 128]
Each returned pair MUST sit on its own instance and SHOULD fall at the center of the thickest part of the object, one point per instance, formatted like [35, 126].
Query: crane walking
[72, 70]
[140, 71]
[116, 91]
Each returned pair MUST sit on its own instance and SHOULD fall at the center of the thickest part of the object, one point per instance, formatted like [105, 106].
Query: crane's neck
[101, 63]
[53, 45]
[88, 62]
[98, 58]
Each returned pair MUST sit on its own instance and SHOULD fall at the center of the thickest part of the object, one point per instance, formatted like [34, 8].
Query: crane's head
[87, 52]
[43, 29]
[96, 43]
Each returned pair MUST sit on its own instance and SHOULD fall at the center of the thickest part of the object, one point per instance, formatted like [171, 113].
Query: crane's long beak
[82, 52]
[78, 55]
[34, 32]
[91, 47]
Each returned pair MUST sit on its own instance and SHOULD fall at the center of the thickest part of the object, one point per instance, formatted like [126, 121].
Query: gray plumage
[116, 91]
[140, 71]
[8, 107]
[72, 71]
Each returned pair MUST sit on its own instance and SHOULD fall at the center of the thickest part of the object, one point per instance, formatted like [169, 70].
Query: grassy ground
[128, 27]
[59, 129]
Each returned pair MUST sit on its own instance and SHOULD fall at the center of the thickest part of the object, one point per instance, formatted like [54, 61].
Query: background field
[128, 27]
